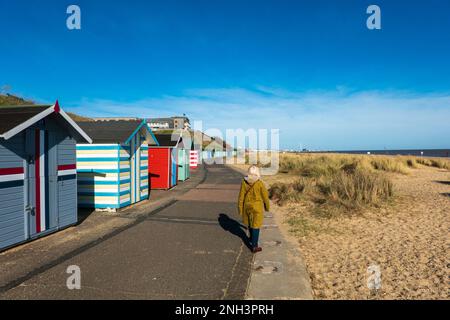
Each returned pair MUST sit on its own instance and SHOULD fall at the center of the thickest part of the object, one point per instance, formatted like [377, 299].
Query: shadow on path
[443, 182]
[83, 214]
[234, 227]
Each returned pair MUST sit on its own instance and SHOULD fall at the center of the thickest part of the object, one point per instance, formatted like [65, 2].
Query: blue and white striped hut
[113, 170]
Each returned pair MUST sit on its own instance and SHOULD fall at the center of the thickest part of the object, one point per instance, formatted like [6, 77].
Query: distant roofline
[49, 109]
[167, 118]
[117, 119]
[27, 106]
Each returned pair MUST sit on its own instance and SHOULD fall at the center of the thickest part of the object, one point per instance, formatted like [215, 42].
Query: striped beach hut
[113, 170]
[38, 193]
[194, 156]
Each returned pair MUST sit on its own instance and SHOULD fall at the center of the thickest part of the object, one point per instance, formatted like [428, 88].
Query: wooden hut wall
[101, 168]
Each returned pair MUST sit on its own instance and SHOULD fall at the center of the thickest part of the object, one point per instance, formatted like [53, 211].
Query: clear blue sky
[310, 68]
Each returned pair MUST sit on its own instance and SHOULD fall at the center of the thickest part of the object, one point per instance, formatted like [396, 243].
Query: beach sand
[407, 241]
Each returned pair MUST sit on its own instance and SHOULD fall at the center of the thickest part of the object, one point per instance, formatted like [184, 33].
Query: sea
[439, 153]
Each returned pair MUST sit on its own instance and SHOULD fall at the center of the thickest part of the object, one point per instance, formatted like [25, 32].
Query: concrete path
[23, 262]
[278, 272]
[189, 248]
[186, 243]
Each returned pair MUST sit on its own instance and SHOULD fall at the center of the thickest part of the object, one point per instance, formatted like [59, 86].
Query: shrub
[349, 188]
[437, 163]
[328, 165]
[441, 164]
[278, 193]
[389, 165]
[310, 165]
[411, 163]
[424, 161]
[355, 190]
[335, 182]
[282, 193]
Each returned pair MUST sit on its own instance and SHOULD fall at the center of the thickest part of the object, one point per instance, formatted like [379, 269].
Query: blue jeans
[254, 237]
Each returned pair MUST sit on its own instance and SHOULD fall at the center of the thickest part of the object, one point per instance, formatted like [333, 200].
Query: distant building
[116, 119]
[160, 123]
[181, 122]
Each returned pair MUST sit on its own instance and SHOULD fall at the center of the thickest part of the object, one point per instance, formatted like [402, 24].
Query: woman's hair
[254, 171]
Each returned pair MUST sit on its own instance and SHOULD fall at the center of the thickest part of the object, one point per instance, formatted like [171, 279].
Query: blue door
[174, 162]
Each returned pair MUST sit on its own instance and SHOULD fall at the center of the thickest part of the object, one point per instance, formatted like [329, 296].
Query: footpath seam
[225, 293]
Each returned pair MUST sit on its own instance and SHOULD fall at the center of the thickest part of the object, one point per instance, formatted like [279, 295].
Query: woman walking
[253, 200]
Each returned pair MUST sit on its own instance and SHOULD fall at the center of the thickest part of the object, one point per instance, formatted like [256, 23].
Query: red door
[159, 168]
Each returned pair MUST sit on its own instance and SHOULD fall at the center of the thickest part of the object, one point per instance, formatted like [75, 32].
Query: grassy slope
[11, 100]
[76, 117]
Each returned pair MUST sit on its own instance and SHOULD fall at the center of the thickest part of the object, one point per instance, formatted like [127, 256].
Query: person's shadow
[234, 227]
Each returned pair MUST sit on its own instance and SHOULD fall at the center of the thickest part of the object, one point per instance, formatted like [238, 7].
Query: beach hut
[164, 167]
[184, 148]
[194, 159]
[113, 170]
[184, 171]
[38, 192]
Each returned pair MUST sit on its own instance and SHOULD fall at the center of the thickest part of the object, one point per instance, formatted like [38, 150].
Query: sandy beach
[408, 241]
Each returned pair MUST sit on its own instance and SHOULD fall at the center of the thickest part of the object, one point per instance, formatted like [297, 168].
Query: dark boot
[257, 249]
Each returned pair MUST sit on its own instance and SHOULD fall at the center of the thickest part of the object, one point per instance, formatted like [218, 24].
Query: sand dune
[408, 241]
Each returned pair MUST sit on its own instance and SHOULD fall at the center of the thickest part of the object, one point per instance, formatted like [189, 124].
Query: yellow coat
[253, 200]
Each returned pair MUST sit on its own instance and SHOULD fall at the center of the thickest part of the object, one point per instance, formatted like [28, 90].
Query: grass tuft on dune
[437, 163]
[335, 182]
[338, 183]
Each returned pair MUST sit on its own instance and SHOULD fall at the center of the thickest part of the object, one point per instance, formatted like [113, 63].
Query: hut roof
[116, 131]
[15, 119]
[174, 140]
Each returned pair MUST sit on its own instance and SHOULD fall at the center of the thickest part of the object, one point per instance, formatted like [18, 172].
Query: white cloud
[339, 119]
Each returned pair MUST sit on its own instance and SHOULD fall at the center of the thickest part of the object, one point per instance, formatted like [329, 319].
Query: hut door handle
[30, 209]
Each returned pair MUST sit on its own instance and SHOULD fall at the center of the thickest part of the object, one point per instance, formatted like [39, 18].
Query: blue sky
[310, 68]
